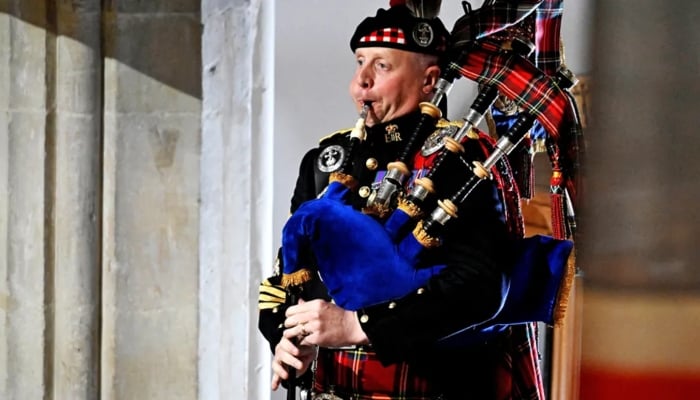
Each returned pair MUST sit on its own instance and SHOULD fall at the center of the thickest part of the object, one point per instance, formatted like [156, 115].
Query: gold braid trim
[268, 305]
[296, 278]
[270, 296]
[562, 300]
[346, 179]
[410, 208]
[423, 238]
[270, 293]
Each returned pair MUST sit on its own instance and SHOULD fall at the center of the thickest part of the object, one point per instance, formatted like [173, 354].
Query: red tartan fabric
[358, 374]
[491, 18]
[547, 36]
[521, 82]
[519, 365]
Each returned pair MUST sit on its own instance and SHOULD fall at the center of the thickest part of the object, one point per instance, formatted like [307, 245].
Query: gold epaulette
[443, 123]
[336, 133]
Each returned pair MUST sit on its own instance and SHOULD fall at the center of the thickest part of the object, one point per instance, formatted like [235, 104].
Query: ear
[430, 78]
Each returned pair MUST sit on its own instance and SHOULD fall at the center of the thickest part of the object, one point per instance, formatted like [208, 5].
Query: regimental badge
[436, 141]
[392, 134]
[423, 34]
[331, 158]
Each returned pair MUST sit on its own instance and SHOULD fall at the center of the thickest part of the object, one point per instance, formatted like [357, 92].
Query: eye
[382, 65]
[360, 61]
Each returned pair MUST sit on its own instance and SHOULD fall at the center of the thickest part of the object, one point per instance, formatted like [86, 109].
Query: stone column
[74, 156]
[152, 142]
[24, 332]
[236, 197]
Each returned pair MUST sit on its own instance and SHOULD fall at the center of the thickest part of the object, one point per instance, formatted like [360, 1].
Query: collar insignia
[392, 134]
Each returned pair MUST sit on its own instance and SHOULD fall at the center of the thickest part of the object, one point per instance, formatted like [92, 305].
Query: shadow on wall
[131, 32]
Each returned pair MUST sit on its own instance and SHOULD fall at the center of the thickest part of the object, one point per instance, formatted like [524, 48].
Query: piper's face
[394, 81]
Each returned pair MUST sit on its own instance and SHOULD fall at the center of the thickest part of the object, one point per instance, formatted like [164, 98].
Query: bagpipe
[395, 228]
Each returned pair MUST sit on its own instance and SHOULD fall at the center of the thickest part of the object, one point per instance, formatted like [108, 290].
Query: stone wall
[127, 247]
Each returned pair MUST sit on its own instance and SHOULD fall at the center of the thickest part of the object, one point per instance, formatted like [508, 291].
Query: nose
[364, 78]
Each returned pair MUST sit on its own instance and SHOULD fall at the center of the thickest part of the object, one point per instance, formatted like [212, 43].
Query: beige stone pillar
[74, 161]
[23, 289]
[236, 197]
[152, 140]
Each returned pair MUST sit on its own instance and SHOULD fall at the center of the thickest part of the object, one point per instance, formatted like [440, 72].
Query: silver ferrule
[463, 131]
[442, 88]
[419, 192]
[394, 174]
[473, 117]
[358, 131]
[503, 147]
[440, 216]
[390, 184]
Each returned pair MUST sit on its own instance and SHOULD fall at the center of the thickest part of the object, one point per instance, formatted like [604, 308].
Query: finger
[280, 370]
[286, 360]
[297, 331]
[299, 308]
[276, 380]
[295, 319]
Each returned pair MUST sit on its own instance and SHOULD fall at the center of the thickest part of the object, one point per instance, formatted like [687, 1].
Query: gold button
[371, 164]
[364, 318]
[280, 326]
[364, 192]
[420, 290]
[392, 305]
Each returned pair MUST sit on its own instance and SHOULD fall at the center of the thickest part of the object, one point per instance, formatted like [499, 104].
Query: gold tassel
[423, 238]
[562, 300]
[296, 278]
[409, 208]
[346, 179]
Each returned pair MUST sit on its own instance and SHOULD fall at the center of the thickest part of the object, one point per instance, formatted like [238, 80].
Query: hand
[288, 354]
[321, 323]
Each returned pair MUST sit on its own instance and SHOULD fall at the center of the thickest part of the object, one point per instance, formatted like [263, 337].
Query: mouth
[366, 104]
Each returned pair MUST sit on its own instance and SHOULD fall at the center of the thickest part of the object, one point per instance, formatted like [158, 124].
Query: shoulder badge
[331, 158]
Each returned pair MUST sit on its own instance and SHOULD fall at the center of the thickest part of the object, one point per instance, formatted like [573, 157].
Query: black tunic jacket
[467, 291]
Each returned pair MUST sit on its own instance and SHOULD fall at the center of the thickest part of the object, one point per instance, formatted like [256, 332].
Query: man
[394, 350]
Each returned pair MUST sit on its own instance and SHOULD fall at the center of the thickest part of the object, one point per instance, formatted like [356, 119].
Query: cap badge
[331, 158]
[423, 34]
